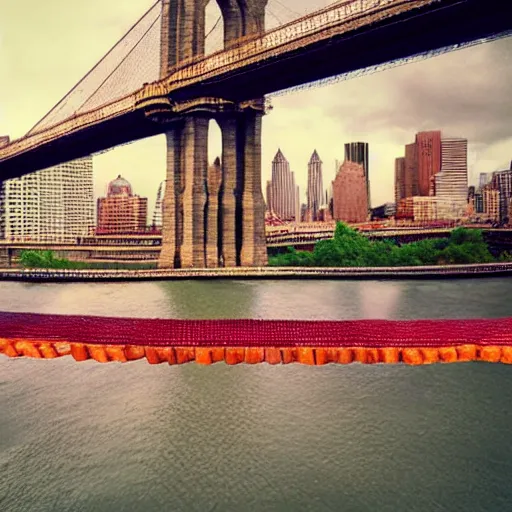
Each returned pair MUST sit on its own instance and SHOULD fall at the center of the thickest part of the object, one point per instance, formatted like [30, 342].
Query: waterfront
[138, 437]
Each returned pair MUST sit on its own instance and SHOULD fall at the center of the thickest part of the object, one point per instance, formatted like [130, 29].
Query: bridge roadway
[338, 40]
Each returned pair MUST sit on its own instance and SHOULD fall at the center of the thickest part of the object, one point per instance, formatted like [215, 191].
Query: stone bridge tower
[189, 222]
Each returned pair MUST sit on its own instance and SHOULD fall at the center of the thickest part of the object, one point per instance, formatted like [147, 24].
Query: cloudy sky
[46, 47]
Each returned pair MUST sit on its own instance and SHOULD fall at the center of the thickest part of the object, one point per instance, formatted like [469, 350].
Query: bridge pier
[217, 214]
[213, 216]
[254, 247]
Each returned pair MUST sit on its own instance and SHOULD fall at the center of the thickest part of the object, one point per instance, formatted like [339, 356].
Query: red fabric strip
[255, 333]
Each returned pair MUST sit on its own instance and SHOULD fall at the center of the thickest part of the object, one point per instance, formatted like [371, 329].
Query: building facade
[52, 205]
[358, 152]
[315, 191]
[121, 212]
[502, 181]
[411, 171]
[400, 180]
[484, 179]
[428, 159]
[451, 184]
[158, 212]
[283, 192]
[350, 198]
[491, 203]
[418, 209]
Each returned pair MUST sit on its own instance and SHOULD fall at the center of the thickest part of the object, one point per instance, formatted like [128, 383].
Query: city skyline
[463, 94]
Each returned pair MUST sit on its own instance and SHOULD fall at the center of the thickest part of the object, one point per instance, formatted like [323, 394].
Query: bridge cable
[120, 63]
[95, 66]
[214, 27]
[288, 8]
[279, 20]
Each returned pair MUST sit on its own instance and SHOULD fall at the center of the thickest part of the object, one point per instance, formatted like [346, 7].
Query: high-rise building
[428, 159]
[350, 198]
[451, 184]
[479, 202]
[491, 202]
[411, 171]
[315, 186]
[157, 214]
[121, 211]
[298, 213]
[502, 181]
[269, 196]
[484, 179]
[52, 205]
[282, 189]
[399, 179]
[358, 152]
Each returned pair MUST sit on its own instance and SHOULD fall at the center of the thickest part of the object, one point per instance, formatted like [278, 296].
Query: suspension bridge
[158, 80]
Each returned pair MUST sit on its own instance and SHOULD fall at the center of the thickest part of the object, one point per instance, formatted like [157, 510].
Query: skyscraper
[55, 204]
[282, 190]
[298, 213]
[350, 199]
[121, 212]
[411, 171]
[502, 181]
[484, 178]
[358, 152]
[428, 159]
[451, 184]
[315, 185]
[157, 214]
[399, 180]
[269, 196]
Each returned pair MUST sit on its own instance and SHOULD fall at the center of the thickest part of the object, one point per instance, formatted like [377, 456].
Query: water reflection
[307, 299]
[209, 299]
[379, 299]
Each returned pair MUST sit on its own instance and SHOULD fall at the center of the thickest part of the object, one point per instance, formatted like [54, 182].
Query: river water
[135, 437]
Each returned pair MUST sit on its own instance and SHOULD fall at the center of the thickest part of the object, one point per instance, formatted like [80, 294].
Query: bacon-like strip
[235, 342]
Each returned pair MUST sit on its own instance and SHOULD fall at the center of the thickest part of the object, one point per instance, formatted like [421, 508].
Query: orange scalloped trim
[236, 355]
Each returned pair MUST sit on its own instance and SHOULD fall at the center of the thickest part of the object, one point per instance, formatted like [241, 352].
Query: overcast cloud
[46, 47]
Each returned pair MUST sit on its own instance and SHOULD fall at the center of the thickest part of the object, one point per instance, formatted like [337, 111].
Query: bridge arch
[214, 28]
[184, 28]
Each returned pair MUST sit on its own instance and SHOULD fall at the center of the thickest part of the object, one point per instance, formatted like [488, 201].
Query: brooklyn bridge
[215, 216]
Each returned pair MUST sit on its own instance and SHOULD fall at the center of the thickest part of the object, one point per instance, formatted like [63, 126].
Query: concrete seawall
[426, 272]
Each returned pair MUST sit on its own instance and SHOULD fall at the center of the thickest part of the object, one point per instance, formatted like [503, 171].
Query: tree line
[350, 248]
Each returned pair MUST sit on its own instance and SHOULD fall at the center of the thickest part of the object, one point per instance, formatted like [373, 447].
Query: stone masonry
[212, 216]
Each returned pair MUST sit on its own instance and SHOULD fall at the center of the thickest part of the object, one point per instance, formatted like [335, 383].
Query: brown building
[418, 209]
[428, 154]
[399, 180]
[411, 170]
[121, 212]
[350, 198]
[492, 201]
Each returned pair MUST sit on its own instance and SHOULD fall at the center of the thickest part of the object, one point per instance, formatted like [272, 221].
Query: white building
[157, 214]
[451, 184]
[52, 205]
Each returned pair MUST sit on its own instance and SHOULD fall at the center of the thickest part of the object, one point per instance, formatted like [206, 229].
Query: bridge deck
[336, 43]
